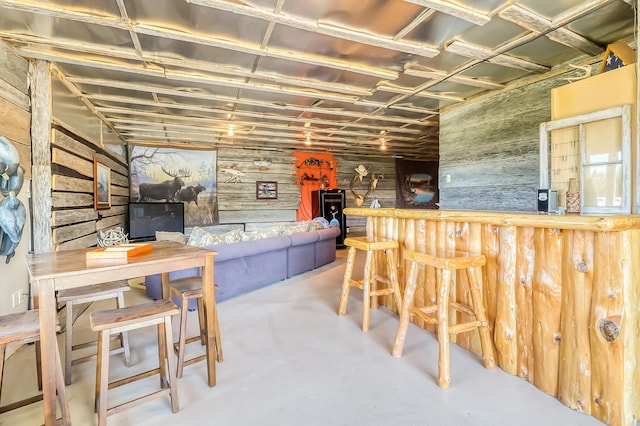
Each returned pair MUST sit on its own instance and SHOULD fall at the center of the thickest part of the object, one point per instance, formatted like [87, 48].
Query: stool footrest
[381, 292]
[20, 404]
[134, 402]
[464, 327]
[460, 307]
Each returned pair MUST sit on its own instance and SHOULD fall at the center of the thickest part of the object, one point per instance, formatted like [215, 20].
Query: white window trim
[624, 112]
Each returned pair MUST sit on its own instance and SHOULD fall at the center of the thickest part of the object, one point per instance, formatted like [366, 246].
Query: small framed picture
[266, 190]
[101, 185]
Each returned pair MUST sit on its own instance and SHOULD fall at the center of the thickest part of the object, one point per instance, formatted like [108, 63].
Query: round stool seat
[363, 243]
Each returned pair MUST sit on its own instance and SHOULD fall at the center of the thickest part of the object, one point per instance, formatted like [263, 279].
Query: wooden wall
[385, 190]
[74, 221]
[237, 201]
[490, 149]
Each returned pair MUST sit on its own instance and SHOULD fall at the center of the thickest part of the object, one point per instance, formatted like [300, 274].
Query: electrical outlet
[18, 298]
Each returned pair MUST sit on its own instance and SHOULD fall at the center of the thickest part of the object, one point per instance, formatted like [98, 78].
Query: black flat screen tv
[147, 218]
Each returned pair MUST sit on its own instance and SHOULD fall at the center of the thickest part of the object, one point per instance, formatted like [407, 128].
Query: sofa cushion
[303, 238]
[249, 248]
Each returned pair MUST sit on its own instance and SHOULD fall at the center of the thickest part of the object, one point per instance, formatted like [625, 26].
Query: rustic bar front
[562, 295]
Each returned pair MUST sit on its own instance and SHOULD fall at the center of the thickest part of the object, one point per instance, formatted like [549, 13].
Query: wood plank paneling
[67, 217]
[15, 122]
[66, 183]
[74, 218]
[237, 201]
[14, 68]
[61, 140]
[490, 148]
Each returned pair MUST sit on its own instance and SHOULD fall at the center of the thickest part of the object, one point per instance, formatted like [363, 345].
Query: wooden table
[49, 272]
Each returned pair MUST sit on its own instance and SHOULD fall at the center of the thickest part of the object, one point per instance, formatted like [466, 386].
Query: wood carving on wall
[314, 172]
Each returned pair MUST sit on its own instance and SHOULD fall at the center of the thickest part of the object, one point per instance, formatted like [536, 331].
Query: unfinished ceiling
[345, 76]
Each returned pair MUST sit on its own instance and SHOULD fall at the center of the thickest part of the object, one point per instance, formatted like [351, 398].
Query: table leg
[45, 301]
[208, 299]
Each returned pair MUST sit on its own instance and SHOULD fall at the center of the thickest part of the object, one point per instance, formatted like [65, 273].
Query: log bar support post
[562, 296]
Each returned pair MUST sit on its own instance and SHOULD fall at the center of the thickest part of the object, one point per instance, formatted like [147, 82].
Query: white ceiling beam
[221, 42]
[324, 28]
[393, 88]
[455, 78]
[533, 22]
[206, 122]
[453, 9]
[239, 113]
[185, 76]
[246, 101]
[189, 64]
[425, 15]
[212, 40]
[55, 71]
[473, 51]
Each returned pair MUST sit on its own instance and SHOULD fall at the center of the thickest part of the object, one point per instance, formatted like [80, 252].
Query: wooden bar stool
[446, 263]
[88, 294]
[186, 289]
[368, 284]
[113, 321]
[23, 328]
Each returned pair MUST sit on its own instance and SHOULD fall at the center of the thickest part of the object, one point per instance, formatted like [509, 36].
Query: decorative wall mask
[13, 214]
[262, 164]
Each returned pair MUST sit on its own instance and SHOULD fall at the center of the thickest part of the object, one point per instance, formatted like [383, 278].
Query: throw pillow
[201, 238]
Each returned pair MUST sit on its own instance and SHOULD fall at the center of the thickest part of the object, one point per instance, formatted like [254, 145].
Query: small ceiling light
[307, 140]
[230, 132]
[383, 144]
[307, 124]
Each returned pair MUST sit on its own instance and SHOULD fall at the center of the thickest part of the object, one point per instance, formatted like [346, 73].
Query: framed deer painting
[172, 175]
[101, 185]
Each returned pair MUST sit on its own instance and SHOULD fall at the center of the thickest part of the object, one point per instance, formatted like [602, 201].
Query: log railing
[562, 295]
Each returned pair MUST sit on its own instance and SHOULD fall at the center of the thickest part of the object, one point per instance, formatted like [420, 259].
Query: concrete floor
[290, 360]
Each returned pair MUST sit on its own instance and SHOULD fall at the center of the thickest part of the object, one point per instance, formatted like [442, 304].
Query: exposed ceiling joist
[343, 70]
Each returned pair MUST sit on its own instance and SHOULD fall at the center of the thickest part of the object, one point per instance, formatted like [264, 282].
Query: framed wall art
[101, 185]
[266, 190]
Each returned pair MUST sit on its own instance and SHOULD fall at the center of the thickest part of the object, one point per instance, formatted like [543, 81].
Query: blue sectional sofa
[244, 266]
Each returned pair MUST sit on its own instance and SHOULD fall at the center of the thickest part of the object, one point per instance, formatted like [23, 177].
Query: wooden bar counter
[562, 295]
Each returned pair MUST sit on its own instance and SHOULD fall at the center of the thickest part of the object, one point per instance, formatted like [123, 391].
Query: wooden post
[41, 156]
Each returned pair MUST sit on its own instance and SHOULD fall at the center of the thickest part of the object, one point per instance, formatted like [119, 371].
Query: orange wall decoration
[315, 171]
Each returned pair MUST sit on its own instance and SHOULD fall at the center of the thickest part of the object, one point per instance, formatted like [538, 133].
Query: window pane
[602, 186]
[603, 141]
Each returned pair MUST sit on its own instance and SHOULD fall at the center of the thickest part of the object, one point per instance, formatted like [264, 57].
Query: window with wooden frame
[595, 149]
